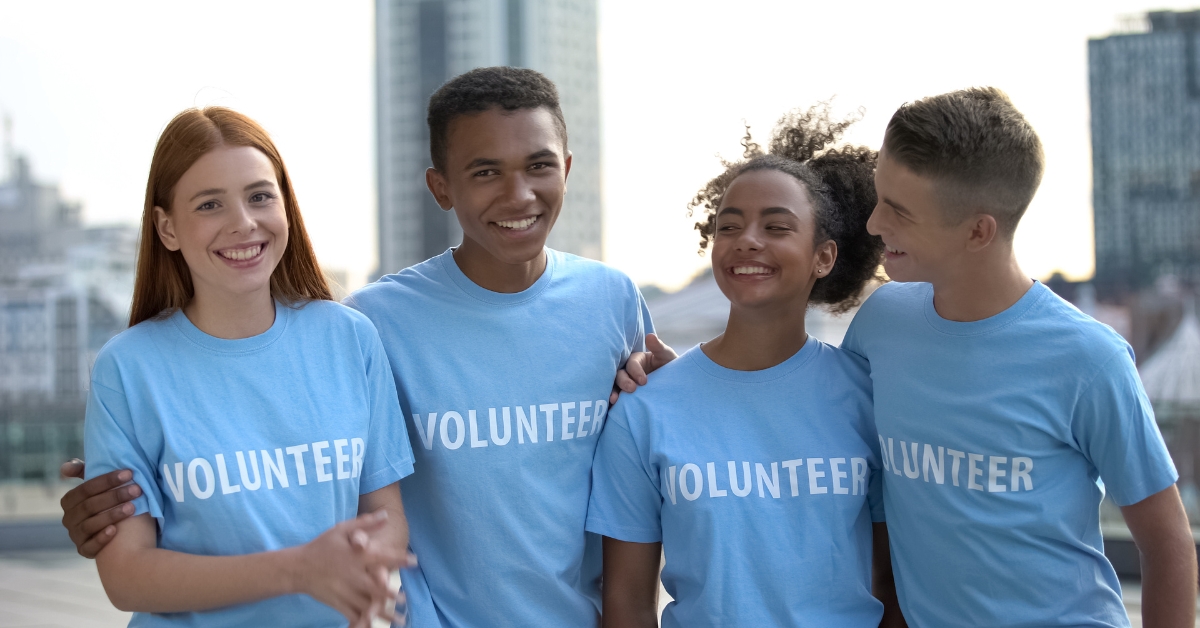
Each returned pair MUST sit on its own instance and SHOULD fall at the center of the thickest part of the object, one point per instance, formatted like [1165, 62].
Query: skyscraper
[1145, 103]
[419, 45]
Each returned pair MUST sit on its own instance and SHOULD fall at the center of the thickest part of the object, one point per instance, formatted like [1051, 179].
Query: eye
[208, 205]
[540, 166]
[261, 197]
[486, 173]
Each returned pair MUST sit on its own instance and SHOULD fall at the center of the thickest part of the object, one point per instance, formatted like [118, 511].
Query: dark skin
[502, 169]
[766, 258]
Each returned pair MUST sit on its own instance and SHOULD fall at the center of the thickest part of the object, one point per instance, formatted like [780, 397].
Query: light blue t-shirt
[761, 485]
[249, 445]
[506, 396]
[995, 436]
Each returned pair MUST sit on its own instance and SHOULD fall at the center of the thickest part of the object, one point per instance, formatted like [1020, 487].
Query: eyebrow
[896, 205]
[491, 161]
[264, 183]
[766, 212]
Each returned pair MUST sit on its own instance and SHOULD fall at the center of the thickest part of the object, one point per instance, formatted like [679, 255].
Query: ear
[824, 258]
[439, 188]
[166, 229]
[983, 230]
[567, 166]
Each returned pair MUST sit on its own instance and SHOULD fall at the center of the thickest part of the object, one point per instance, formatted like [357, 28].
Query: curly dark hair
[841, 187]
[482, 89]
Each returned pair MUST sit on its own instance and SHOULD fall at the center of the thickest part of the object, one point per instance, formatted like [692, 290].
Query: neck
[496, 275]
[981, 288]
[231, 316]
[757, 339]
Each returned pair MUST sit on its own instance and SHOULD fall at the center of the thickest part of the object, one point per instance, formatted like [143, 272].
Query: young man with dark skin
[504, 353]
[1000, 408]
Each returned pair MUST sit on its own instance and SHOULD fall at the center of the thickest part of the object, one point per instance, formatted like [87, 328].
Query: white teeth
[751, 270]
[241, 254]
[892, 251]
[517, 224]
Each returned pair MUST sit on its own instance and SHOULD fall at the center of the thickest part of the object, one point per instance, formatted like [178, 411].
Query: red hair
[163, 282]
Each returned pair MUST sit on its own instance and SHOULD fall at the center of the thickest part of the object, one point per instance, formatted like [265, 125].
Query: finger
[612, 396]
[93, 545]
[625, 382]
[659, 350]
[92, 506]
[92, 525]
[95, 486]
[72, 468]
[359, 539]
[410, 561]
[635, 367]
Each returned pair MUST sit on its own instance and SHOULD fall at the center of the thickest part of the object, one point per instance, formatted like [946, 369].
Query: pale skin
[501, 167]
[975, 275]
[765, 223]
[227, 218]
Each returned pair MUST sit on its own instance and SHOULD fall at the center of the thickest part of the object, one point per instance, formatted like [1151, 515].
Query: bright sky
[90, 87]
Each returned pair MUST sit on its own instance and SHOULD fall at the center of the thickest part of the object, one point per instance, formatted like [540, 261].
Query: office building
[1145, 106]
[422, 43]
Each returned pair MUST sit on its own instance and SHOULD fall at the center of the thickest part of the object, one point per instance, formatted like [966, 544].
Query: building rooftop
[1172, 375]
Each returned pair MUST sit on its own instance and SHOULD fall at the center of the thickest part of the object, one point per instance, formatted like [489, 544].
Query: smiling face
[505, 178]
[227, 219]
[763, 249]
[920, 245]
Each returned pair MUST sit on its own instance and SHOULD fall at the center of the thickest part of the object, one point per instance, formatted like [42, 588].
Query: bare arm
[340, 568]
[883, 582]
[92, 509]
[1163, 536]
[631, 584]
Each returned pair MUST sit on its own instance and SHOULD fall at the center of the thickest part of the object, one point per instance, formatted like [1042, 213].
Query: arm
[639, 365]
[631, 584]
[883, 582]
[92, 509]
[333, 569]
[1163, 536]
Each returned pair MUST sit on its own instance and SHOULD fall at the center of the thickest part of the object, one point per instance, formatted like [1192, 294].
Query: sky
[89, 86]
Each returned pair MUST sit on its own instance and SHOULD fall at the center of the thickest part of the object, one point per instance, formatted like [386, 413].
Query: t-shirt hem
[623, 533]
[1146, 489]
[384, 477]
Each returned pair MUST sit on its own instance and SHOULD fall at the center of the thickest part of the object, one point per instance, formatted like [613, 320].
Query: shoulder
[666, 387]
[1079, 336]
[134, 345]
[331, 313]
[389, 293]
[896, 294]
[581, 270]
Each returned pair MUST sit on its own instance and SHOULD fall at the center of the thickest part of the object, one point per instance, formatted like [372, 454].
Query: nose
[749, 239]
[873, 226]
[518, 193]
[241, 220]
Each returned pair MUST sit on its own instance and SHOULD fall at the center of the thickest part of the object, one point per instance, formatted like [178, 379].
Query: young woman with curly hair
[752, 460]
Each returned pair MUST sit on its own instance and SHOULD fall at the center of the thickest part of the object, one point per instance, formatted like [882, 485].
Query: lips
[521, 224]
[242, 254]
[751, 269]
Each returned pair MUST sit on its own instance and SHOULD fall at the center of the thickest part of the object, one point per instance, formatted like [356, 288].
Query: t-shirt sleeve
[1113, 425]
[388, 456]
[637, 325]
[625, 502]
[110, 442]
[852, 341]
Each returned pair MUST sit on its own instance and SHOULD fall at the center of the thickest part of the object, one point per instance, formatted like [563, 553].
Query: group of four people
[247, 438]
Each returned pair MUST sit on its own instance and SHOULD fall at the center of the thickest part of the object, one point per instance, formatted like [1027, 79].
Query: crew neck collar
[797, 359]
[480, 293]
[239, 345]
[989, 324]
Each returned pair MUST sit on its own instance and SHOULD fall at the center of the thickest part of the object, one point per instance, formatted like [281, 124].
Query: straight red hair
[163, 282]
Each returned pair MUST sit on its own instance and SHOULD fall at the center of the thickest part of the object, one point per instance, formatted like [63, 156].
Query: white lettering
[250, 486]
[974, 471]
[507, 426]
[883, 454]
[994, 473]
[697, 481]
[322, 462]
[297, 452]
[772, 483]
[858, 469]
[177, 485]
[460, 432]
[958, 456]
[599, 415]
[904, 452]
[836, 474]
[526, 424]
[713, 491]
[891, 454]
[740, 489]
[584, 417]
[791, 465]
[357, 450]
[1021, 467]
[671, 484]
[938, 466]
[426, 433]
[567, 432]
[548, 410]
[209, 484]
[224, 473]
[275, 467]
[813, 475]
[475, 440]
[342, 458]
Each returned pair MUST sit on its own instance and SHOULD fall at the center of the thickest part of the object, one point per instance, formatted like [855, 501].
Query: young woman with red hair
[258, 416]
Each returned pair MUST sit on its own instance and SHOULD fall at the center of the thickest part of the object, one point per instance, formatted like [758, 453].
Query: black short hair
[482, 89]
[982, 154]
[841, 186]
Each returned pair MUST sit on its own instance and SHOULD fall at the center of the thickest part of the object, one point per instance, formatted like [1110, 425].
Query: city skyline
[88, 102]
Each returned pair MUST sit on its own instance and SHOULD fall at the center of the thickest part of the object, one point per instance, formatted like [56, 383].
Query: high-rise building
[419, 45]
[1145, 105]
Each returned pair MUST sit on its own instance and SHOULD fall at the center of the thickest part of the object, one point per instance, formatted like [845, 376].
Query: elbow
[122, 592]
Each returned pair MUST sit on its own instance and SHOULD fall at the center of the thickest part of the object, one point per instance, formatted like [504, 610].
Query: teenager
[252, 417]
[1005, 415]
[751, 462]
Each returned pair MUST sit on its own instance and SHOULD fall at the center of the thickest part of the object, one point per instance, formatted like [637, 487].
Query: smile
[752, 270]
[518, 225]
[892, 251]
[238, 255]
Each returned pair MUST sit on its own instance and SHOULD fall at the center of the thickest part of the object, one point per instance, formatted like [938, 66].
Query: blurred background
[654, 94]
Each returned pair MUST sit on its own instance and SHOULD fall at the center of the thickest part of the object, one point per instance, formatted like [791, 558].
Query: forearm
[152, 580]
[883, 580]
[1169, 583]
[630, 593]
[625, 613]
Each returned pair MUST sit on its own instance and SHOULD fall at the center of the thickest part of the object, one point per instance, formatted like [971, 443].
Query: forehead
[897, 183]
[760, 189]
[228, 164]
[500, 134]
